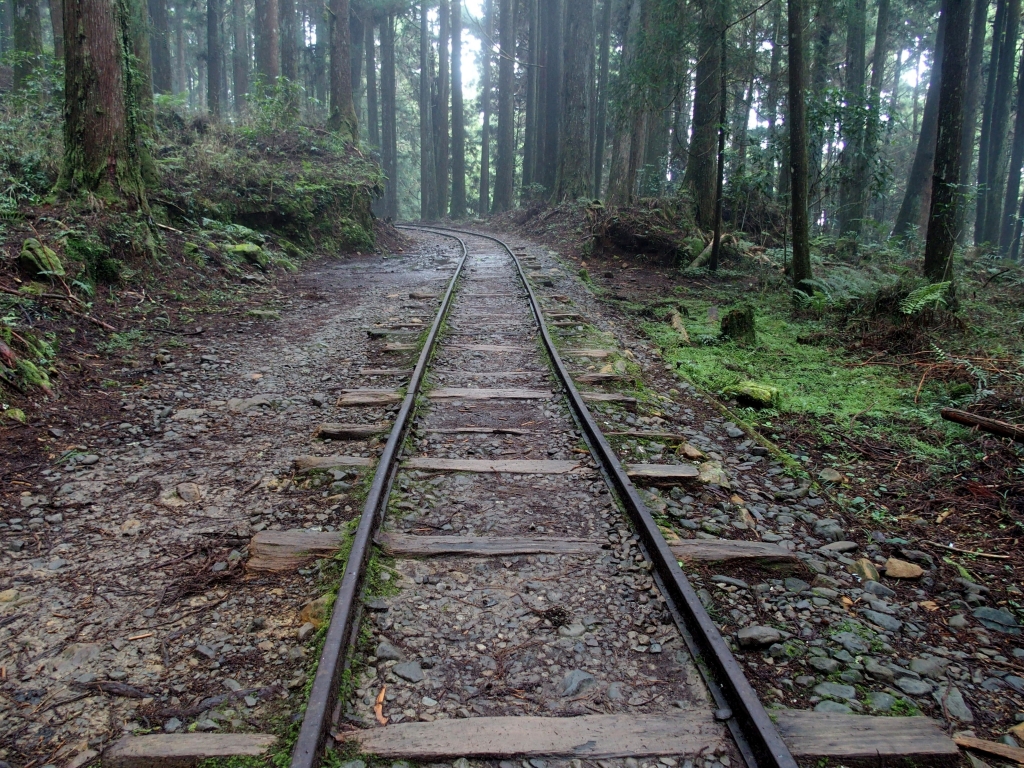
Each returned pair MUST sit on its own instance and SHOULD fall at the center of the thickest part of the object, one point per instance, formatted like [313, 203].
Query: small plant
[926, 297]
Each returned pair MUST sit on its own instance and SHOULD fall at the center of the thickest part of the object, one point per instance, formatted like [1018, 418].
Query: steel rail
[308, 750]
[756, 736]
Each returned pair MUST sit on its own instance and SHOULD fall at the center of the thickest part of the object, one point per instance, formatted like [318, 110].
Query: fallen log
[1001, 428]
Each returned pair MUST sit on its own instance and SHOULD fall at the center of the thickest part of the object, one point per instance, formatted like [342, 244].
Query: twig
[951, 548]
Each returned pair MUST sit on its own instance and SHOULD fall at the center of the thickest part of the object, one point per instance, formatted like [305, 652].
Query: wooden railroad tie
[350, 431]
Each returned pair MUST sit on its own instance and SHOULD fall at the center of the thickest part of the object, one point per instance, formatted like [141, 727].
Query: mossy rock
[264, 314]
[755, 395]
[40, 261]
[251, 252]
[738, 325]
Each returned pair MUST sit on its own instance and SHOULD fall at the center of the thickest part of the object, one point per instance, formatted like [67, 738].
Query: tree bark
[601, 128]
[532, 83]
[426, 134]
[484, 202]
[268, 44]
[372, 110]
[824, 23]
[356, 34]
[28, 40]
[240, 55]
[575, 164]
[102, 139]
[389, 126]
[1013, 178]
[159, 44]
[551, 22]
[57, 26]
[214, 59]
[6, 26]
[944, 218]
[974, 71]
[701, 169]
[458, 208]
[919, 180]
[441, 125]
[288, 24]
[798, 145]
[854, 171]
[342, 119]
[180, 50]
[504, 167]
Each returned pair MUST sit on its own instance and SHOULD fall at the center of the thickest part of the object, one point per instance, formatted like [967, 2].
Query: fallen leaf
[929, 605]
[943, 515]
[378, 707]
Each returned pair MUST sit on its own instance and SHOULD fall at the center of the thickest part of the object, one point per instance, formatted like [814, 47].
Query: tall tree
[1006, 226]
[427, 169]
[974, 70]
[159, 45]
[28, 40]
[701, 170]
[798, 145]
[102, 136]
[851, 189]
[601, 122]
[549, 96]
[214, 58]
[575, 164]
[180, 57]
[239, 55]
[57, 26]
[458, 206]
[441, 125]
[288, 24]
[372, 117]
[388, 108]
[268, 43]
[484, 204]
[504, 170]
[824, 26]
[944, 217]
[530, 143]
[342, 119]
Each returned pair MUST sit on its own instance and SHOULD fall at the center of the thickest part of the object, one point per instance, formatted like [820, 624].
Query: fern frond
[926, 296]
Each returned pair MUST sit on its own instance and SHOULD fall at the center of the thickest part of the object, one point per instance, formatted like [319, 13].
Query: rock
[880, 701]
[836, 690]
[87, 460]
[251, 252]
[352, 764]
[172, 725]
[409, 670]
[387, 652]
[575, 681]
[735, 432]
[865, 569]
[572, 630]
[189, 492]
[757, 636]
[832, 706]
[232, 685]
[840, 546]
[951, 700]
[805, 681]
[830, 475]
[851, 642]
[879, 671]
[712, 473]
[878, 588]
[883, 620]
[796, 585]
[998, 619]
[206, 725]
[317, 612]
[957, 621]
[901, 569]
[754, 395]
[738, 325]
[829, 529]
[729, 580]
[933, 668]
[40, 261]
[8, 595]
[914, 687]
[823, 664]
[305, 631]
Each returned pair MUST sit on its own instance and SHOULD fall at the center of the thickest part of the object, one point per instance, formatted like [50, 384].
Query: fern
[926, 296]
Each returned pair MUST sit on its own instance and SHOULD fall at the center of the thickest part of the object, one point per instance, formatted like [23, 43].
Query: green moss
[39, 260]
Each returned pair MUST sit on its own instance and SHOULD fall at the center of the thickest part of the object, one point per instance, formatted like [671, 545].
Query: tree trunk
[552, 93]
[57, 26]
[28, 40]
[372, 116]
[426, 135]
[180, 49]
[389, 125]
[701, 171]
[268, 45]
[575, 164]
[824, 23]
[159, 45]
[1013, 179]
[458, 209]
[944, 217]
[240, 55]
[356, 34]
[798, 145]
[7, 26]
[680, 131]
[771, 105]
[504, 167]
[441, 145]
[854, 171]
[288, 24]
[985, 140]
[974, 71]
[101, 135]
[629, 117]
[342, 119]
[919, 180]
[601, 128]
[484, 203]
[213, 56]
[532, 82]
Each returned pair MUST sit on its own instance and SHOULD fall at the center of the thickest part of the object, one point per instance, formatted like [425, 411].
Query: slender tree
[701, 170]
[458, 206]
[214, 59]
[944, 217]
[288, 24]
[575, 164]
[389, 123]
[442, 143]
[28, 40]
[57, 26]
[531, 133]
[1013, 178]
[851, 189]
[798, 146]
[268, 45]
[372, 117]
[342, 119]
[427, 170]
[239, 55]
[601, 123]
[159, 45]
[974, 71]
[550, 94]
[505, 163]
[484, 204]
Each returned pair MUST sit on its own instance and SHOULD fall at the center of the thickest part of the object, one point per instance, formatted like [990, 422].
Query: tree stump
[738, 325]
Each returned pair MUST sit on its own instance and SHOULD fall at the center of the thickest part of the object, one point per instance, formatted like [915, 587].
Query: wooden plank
[563, 315]
[608, 397]
[851, 737]
[1002, 751]
[310, 463]
[435, 546]
[385, 371]
[663, 472]
[489, 374]
[487, 295]
[171, 750]
[725, 550]
[467, 393]
[397, 347]
[489, 347]
[368, 397]
[287, 550]
[668, 437]
[381, 333]
[567, 323]
[595, 353]
[349, 431]
[421, 295]
[599, 378]
[483, 430]
[593, 737]
[513, 466]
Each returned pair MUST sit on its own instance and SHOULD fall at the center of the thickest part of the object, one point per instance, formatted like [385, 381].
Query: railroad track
[539, 612]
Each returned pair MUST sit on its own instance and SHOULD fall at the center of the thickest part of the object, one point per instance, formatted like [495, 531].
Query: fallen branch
[951, 548]
[1001, 428]
[58, 297]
